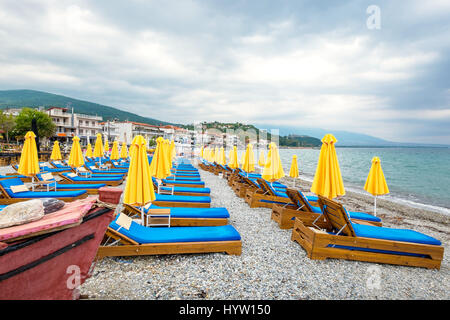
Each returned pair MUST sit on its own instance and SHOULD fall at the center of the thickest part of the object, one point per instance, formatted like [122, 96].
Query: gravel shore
[271, 265]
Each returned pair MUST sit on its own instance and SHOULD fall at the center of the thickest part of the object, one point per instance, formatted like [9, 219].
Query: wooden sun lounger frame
[182, 204]
[316, 242]
[5, 198]
[283, 214]
[254, 198]
[67, 180]
[55, 167]
[243, 184]
[183, 193]
[181, 222]
[129, 247]
[106, 172]
[178, 184]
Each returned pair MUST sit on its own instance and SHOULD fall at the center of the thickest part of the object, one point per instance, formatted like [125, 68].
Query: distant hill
[293, 140]
[32, 98]
[290, 140]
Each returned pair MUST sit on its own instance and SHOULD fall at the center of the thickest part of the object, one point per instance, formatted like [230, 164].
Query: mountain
[345, 138]
[32, 98]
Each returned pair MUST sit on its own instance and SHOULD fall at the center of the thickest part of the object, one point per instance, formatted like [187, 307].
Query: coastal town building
[70, 124]
[127, 130]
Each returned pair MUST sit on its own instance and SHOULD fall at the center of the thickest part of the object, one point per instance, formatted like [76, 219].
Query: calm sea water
[418, 175]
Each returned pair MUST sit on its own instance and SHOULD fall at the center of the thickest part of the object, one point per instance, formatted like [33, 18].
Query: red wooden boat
[56, 256]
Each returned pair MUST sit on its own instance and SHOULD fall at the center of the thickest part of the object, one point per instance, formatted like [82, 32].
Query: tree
[7, 124]
[152, 142]
[46, 127]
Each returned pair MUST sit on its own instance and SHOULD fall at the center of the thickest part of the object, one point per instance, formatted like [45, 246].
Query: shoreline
[386, 208]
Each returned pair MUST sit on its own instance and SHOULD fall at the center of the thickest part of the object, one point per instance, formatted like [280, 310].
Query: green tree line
[15, 128]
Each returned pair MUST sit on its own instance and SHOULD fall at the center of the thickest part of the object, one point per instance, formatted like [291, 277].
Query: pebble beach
[271, 265]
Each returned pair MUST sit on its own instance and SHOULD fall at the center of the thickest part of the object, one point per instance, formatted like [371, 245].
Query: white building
[70, 124]
[127, 130]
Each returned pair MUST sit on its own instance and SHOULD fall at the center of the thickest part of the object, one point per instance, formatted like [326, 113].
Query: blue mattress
[113, 171]
[175, 198]
[144, 235]
[393, 234]
[183, 178]
[80, 179]
[186, 189]
[48, 169]
[6, 184]
[62, 186]
[175, 182]
[194, 212]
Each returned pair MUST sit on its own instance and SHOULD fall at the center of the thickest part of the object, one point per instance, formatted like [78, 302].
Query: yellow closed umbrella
[293, 172]
[241, 162]
[328, 179]
[216, 155]
[98, 148]
[158, 165]
[173, 152]
[29, 160]
[167, 158]
[76, 155]
[124, 151]
[201, 152]
[261, 160]
[233, 161]
[139, 187]
[248, 164]
[89, 151]
[273, 169]
[115, 151]
[222, 159]
[106, 145]
[376, 183]
[56, 152]
[211, 155]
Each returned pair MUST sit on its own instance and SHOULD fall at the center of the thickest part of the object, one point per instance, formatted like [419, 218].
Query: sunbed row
[325, 229]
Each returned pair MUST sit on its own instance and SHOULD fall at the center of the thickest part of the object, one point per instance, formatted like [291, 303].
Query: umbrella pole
[375, 207]
[142, 216]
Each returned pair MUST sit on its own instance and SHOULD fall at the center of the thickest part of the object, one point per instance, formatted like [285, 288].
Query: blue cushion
[363, 216]
[186, 189]
[143, 234]
[81, 179]
[194, 212]
[182, 178]
[108, 171]
[353, 215]
[6, 184]
[62, 186]
[93, 175]
[404, 235]
[183, 182]
[175, 198]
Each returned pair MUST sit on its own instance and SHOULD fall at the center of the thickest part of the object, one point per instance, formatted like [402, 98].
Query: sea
[418, 176]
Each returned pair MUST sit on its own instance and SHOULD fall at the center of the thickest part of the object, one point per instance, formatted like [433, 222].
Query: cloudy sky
[288, 63]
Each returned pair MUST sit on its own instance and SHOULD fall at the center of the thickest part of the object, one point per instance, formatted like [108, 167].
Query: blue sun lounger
[70, 177]
[185, 216]
[135, 239]
[347, 240]
[310, 215]
[9, 196]
[166, 200]
[91, 188]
